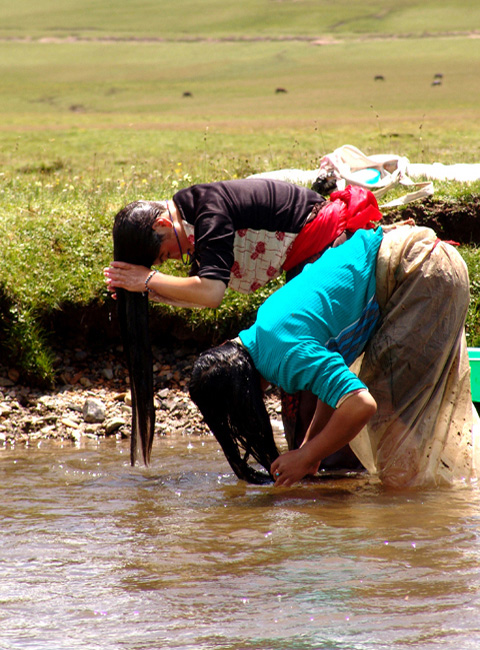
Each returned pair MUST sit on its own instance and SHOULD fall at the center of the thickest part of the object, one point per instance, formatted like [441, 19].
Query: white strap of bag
[423, 190]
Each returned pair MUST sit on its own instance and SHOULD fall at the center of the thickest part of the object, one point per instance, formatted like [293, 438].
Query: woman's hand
[126, 276]
[329, 431]
[291, 467]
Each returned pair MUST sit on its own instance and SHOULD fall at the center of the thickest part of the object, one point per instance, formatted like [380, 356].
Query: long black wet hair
[225, 385]
[135, 241]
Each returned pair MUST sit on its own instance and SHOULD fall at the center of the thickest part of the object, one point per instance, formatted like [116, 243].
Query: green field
[93, 115]
[171, 19]
[80, 102]
[84, 80]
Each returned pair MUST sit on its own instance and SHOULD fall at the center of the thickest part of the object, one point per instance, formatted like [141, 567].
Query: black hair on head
[225, 385]
[135, 241]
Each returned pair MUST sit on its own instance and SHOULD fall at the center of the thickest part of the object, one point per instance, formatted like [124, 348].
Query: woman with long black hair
[135, 241]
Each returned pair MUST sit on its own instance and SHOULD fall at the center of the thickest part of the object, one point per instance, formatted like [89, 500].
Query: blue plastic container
[368, 176]
[474, 358]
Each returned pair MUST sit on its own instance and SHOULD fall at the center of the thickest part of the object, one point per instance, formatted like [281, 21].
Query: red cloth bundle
[348, 210]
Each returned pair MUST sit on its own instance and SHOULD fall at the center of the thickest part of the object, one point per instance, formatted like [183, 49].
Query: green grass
[98, 85]
[100, 107]
[471, 255]
[55, 228]
[88, 125]
[190, 19]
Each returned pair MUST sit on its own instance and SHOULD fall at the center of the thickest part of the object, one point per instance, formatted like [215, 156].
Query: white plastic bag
[378, 173]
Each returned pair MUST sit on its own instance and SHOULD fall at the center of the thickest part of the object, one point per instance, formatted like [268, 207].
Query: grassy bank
[94, 115]
[55, 229]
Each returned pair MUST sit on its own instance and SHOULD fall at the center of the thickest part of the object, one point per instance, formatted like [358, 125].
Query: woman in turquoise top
[306, 335]
[394, 304]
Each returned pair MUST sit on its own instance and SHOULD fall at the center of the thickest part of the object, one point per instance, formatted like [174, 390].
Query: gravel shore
[92, 399]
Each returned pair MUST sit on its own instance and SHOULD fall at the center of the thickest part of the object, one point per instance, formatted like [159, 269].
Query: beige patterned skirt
[426, 430]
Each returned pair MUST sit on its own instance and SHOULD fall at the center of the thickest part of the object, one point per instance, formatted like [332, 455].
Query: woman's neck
[186, 246]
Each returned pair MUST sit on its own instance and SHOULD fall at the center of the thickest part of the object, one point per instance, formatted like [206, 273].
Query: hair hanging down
[225, 386]
[135, 242]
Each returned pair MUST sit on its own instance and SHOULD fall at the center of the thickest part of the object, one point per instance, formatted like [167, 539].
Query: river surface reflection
[95, 554]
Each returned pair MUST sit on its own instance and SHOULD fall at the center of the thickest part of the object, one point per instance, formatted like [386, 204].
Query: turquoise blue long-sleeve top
[308, 332]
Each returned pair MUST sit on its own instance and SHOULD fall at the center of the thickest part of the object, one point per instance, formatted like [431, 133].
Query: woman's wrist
[147, 280]
[310, 460]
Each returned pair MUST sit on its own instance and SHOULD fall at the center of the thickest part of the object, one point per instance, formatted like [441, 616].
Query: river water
[182, 555]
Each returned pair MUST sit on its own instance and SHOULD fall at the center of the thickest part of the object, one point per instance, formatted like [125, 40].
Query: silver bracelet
[150, 276]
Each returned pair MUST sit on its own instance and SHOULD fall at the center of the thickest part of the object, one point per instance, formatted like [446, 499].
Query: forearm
[192, 291]
[322, 440]
[154, 297]
[321, 417]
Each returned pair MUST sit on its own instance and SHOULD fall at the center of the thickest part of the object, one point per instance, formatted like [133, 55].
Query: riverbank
[91, 395]
[92, 399]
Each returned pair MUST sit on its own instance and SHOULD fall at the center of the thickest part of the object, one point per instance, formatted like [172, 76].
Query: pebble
[69, 423]
[93, 410]
[107, 373]
[92, 399]
[113, 424]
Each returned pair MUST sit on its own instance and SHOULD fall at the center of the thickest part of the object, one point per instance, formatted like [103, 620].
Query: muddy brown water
[182, 555]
